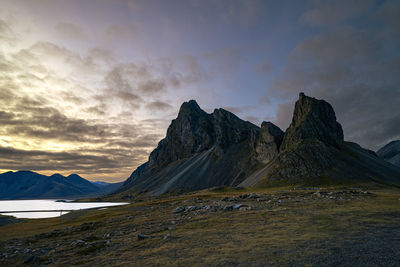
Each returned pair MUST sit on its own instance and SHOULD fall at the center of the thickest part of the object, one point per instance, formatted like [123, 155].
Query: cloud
[152, 86]
[226, 60]
[353, 69]
[333, 12]
[70, 31]
[6, 34]
[264, 68]
[158, 105]
[284, 114]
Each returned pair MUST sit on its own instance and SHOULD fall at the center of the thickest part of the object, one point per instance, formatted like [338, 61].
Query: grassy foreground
[277, 226]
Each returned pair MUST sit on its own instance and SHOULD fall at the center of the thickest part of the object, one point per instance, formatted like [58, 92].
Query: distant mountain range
[391, 152]
[204, 150]
[31, 185]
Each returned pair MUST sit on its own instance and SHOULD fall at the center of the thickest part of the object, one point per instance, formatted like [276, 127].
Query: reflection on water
[33, 209]
[36, 214]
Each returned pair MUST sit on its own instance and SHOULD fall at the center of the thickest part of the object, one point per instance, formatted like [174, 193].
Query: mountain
[31, 185]
[203, 150]
[107, 187]
[313, 151]
[391, 152]
[100, 183]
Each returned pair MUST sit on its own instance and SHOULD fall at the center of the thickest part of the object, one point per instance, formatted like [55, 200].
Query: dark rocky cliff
[203, 150]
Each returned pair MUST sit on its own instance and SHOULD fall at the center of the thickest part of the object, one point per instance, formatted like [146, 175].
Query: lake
[46, 208]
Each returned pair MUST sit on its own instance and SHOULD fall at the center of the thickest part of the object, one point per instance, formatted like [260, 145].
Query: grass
[281, 234]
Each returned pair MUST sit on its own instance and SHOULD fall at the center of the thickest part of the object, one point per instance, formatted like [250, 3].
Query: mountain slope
[391, 152]
[202, 150]
[313, 152]
[31, 185]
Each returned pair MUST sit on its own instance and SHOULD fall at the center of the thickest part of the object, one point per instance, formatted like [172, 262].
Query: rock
[191, 208]
[78, 242]
[179, 209]
[267, 145]
[170, 228]
[238, 206]
[228, 208]
[32, 259]
[167, 236]
[253, 195]
[141, 236]
[106, 235]
[198, 137]
[313, 119]
[228, 199]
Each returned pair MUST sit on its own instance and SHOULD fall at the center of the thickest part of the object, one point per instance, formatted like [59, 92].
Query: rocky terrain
[391, 152]
[199, 150]
[331, 226]
[203, 150]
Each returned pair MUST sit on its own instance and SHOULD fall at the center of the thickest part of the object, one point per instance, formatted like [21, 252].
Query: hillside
[391, 152]
[31, 185]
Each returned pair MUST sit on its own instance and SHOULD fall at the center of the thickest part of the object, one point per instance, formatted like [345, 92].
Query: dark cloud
[353, 69]
[333, 12]
[264, 68]
[91, 163]
[152, 86]
[158, 105]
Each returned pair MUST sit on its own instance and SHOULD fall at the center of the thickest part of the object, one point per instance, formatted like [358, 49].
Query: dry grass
[292, 232]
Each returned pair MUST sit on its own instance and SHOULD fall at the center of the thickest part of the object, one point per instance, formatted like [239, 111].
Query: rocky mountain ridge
[203, 150]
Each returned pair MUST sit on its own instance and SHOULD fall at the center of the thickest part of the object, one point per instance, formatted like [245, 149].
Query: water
[35, 209]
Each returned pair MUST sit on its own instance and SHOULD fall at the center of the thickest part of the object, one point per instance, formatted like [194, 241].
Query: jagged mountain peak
[190, 108]
[203, 150]
[313, 119]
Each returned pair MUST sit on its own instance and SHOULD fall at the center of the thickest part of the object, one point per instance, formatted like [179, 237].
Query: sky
[90, 86]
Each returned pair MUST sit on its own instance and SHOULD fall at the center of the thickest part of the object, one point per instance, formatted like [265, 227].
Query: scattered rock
[78, 242]
[228, 208]
[167, 236]
[228, 199]
[238, 206]
[191, 208]
[179, 209]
